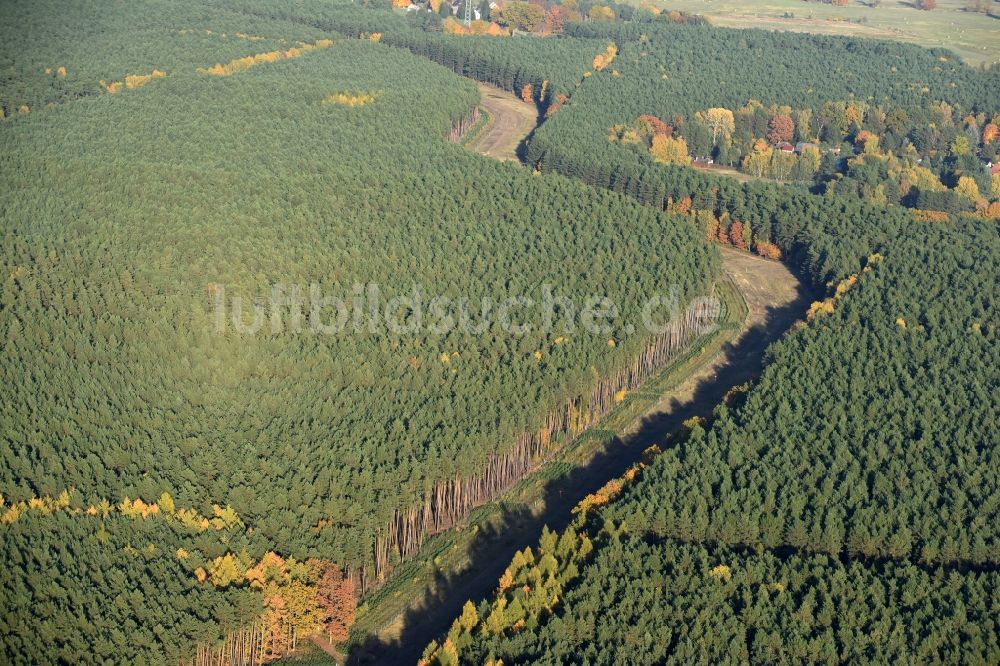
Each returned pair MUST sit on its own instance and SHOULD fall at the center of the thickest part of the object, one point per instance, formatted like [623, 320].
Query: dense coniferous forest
[552, 67]
[667, 602]
[78, 589]
[142, 195]
[867, 444]
[685, 70]
[47, 61]
[806, 459]
[786, 68]
[909, 338]
[180, 486]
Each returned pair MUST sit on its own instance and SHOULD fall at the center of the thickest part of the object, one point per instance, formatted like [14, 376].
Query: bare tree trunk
[450, 501]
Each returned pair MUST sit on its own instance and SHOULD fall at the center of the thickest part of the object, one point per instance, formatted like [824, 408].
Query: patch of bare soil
[512, 121]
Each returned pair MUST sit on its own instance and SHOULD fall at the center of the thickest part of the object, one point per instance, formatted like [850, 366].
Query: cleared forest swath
[761, 298]
[511, 121]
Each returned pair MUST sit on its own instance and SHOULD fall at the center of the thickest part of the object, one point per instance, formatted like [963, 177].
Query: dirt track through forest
[511, 120]
[775, 299]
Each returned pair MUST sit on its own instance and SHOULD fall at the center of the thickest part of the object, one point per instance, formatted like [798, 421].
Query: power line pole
[468, 13]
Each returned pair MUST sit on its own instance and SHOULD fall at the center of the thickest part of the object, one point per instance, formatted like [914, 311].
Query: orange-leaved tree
[336, 598]
[781, 128]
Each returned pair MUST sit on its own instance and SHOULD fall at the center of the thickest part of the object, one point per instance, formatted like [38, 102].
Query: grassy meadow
[975, 37]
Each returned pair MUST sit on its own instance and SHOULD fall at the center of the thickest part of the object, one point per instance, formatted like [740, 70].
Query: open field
[974, 37]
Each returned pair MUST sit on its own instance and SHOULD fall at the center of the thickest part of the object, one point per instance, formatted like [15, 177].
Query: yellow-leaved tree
[721, 122]
[758, 163]
[602, 60]
[670, 150]
[967, 188]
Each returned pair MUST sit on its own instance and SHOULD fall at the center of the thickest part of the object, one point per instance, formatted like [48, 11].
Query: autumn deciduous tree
[736, 235]
[867, 142]
[721, 122]
[758, 163]
[810, 160]
[599, 498]
[469, 618]
[555, 20]
[336, 598]
[653, 125]
[967, 188]
[522, 15]
[781, 128]
[767, 250]
[451, 26]
[601, 13]
[782, 164]
[992, 211]
[670, 150]
[602, 60]
[960, 146]
[990, 133]
[228, 570]
[234, 66]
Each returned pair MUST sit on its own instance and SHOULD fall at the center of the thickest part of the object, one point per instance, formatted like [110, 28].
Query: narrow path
[468, 566]
[511, 121]
[329, 648]
[731, 172]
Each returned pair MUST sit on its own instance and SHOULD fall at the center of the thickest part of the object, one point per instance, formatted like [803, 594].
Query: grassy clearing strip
[513, 121]
[477, 131]
[447, 554]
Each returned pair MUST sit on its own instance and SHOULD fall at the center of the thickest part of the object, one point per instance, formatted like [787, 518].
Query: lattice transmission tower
[468, 12]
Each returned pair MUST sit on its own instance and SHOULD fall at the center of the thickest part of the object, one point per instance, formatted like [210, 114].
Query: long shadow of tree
[493, 547]
[522, 148]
